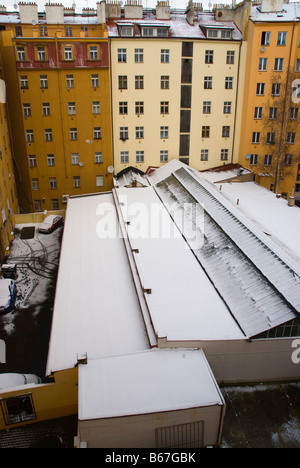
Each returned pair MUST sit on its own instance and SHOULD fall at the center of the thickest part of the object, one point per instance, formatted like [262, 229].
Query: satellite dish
[33, 22]
[80, 163]
[263, 49]
[248, 156]
[110, 169]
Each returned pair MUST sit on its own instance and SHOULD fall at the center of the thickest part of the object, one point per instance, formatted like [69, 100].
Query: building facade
[63, 113]
[270, 123]
[8, 195]
[175, 80]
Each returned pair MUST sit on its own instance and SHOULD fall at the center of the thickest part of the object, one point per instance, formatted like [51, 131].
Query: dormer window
[154, 30]
[217, 32]
[126, 31]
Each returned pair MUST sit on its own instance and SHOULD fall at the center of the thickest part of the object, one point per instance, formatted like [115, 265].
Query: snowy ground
[26, 329]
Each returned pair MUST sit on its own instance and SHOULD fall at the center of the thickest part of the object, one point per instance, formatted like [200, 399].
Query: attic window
[127, 31]
[154, 31]
[218, 33]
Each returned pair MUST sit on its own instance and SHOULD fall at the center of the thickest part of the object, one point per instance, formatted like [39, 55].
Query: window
[123, 108]
[24, 82]
[205, 131]
[164, 107]
[230, 57]
[212, 33]
[268, 160]
[122, 55]
[187, 49]
[164, 132]
[45, 108]
[208, 82]
[139, 107]
[99, 181]
[21, 56]
[52, 183]
[147, 31]
[95, 80]
[227, 107]
[73, 134]
[256, 137]
[228, 82]
[164, 156]
[35, 184]
[32, 160]
[18, 30]
[43, 81]
[186, 70]
[68, 31]
[226, 131]
[96, 107]
[76, 181]
[186, 96]
[258, 111]
[185, 121]
[271, 138]
[224, 154]
[43, 31]
[124, 157]
[204, 155]
[209, 56]
[281, 38]
[27, 110]
[29, 136]
[75, 159]
[273, 112]
[165, 55]
[37, 205]
[98, 158]
[55, 204]
[265, 38]
[123, 133]
[206, 107]
[68, 53]
[291, 138]
[139, 132]
[288, 158]
[262, 64]
[41, 53]
[253, 159]
[164, 82]
[276, 87]
[226, 34]
[139, 55]
[139, 82]
[122, 82]
[71, 108]
[48, 134]
[70, 81]
[19, 409]
[50, 160]
[278, 64]
[127, 31]
[93, 53]
[97, 133]
[294, 111]
[184, 146]
[260, 89]
[139, 156]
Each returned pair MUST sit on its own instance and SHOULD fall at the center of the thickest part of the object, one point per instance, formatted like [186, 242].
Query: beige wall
[139, 431]
[247, 361]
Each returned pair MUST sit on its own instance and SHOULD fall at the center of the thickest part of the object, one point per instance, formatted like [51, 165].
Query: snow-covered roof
[262, 286]
[290, 12]
[146, 382]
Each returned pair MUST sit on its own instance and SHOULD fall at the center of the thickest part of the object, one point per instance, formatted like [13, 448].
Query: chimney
[113, 9]
[190, 12]
[28, 13]
[271, 6]
[2, 9]
[133, 9]
[101, 15]
[54, 13]
[163, 10]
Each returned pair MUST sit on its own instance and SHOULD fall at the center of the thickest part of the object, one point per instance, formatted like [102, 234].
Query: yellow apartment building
[8, 195]
[175, 85]
[60, 103]
[270, 143]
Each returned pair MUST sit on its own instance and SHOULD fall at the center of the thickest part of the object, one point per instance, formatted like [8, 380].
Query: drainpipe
[60, 106]
[236, 98]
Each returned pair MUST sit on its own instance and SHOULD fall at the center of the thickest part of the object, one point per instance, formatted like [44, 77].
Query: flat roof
[147, 382]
